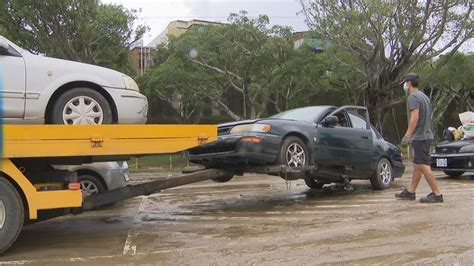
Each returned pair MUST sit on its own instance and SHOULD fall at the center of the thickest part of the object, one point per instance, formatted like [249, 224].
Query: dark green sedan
[339, 141]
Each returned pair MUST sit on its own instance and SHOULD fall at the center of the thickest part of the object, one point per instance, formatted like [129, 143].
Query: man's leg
[430, 178]
[415, 179]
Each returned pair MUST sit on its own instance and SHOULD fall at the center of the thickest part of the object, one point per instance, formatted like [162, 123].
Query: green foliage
[241, 68]
[84, 31]
[449, 82]
[388, 39]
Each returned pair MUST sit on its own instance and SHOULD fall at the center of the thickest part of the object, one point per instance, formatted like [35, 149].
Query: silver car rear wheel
[88, 188]
[90, 185]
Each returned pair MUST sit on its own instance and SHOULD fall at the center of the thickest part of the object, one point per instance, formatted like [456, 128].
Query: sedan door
[334, 145]
[363, 150]
[12, 82]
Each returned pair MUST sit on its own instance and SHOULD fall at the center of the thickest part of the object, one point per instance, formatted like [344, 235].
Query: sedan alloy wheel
[89, 188]
[295, 155]
[385, 172]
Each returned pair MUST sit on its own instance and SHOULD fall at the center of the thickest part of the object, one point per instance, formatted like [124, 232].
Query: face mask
[405, 87]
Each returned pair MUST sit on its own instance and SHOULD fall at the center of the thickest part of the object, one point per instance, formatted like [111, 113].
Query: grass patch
[159, 161]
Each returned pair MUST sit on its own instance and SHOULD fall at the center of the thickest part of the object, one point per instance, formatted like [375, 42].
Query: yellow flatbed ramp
[61, 141]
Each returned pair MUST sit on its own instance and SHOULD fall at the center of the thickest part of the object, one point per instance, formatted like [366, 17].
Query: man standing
[420, 132]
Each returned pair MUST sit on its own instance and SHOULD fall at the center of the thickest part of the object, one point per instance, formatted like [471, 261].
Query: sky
[157, 14]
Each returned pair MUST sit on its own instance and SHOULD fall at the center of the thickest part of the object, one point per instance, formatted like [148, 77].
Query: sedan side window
[10, 52]
[375, 133]
[358, 122]
[343, 121]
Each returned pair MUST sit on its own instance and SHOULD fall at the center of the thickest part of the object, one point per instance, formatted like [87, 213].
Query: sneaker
[406, 195]
[432, 198]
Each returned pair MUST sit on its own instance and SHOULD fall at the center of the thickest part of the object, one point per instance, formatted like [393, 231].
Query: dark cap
[410, 77]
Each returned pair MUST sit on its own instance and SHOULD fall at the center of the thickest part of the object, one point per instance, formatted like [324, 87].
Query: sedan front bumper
[231, 150]
[132, 106]
[452, 162]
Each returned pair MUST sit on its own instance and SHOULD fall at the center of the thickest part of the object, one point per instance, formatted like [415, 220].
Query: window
[343, 121]
[10, 52]
[375, 133]
[358, 122]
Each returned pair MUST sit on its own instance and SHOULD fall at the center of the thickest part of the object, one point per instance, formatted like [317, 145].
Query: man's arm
[413, 122]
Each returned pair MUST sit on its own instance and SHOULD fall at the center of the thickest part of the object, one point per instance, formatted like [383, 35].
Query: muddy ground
[261, 220]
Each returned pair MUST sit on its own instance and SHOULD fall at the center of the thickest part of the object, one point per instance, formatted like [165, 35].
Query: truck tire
[12, 214]
[81, 106]
[454, 174]
[382, 178]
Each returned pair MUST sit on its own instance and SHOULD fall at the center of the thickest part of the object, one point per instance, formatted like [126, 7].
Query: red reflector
[74, 186]
[251, 139]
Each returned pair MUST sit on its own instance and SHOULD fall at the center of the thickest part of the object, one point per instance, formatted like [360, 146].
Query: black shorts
[422, 151]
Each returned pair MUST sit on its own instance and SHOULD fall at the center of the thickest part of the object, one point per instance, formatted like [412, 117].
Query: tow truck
[32, 191]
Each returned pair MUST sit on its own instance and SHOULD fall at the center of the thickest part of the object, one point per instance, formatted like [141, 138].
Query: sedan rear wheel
[454, 174]
[223, 178]
[383, 176]
[313, 183]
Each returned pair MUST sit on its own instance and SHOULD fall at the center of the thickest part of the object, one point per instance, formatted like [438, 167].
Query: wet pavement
[261, 220]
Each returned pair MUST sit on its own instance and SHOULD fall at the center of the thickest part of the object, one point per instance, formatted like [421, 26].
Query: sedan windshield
[308, 114]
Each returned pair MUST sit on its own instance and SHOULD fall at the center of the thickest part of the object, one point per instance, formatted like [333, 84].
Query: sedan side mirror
[330, 121]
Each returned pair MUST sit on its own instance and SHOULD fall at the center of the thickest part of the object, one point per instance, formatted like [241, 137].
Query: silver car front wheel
[81, 106]
[83, 110]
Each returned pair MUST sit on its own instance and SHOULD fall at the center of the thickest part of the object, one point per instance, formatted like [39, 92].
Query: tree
[453, 82]
[243, 68]
[83, 30]
[237, 55]
[389, 38]
[175, 82]
[302, 74]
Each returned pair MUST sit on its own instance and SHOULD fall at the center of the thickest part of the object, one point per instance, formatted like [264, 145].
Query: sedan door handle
[365, 137]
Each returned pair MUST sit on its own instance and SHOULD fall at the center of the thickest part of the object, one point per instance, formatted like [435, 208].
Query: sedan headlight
[130, 84]
[264, 128]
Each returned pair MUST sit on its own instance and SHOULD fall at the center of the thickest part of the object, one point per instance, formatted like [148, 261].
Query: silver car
[99, 177]
[38, 89]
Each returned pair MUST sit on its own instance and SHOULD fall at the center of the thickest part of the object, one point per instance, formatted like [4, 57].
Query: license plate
[442, 162]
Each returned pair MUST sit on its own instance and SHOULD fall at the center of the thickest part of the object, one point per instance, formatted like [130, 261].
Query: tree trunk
[375, 105]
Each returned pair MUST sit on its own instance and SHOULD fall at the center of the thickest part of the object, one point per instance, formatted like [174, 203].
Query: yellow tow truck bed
[26, 147]
[32, 141]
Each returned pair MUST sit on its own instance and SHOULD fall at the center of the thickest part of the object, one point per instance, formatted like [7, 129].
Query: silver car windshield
[307, 114]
